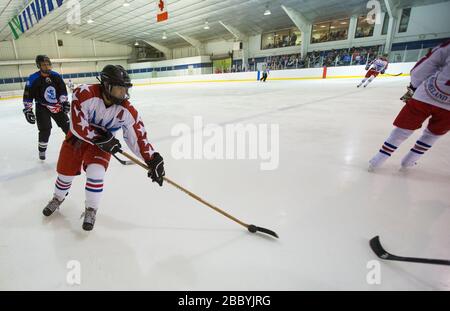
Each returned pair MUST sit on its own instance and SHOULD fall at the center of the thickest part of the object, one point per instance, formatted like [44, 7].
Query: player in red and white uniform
[374, 68]
[428, 96]
[97, 112]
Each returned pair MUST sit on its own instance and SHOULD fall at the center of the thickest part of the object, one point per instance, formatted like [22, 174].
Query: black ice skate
[42, 155]
[52, 206]
[89, 218]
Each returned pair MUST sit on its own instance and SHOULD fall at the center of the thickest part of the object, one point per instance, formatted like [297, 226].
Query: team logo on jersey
[50, 95]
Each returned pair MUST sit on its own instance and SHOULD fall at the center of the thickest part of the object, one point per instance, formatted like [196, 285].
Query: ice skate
[42, 155]
[52, 206]
[89, 218]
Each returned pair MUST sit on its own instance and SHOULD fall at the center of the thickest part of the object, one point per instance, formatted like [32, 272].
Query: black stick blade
[375, 245]
[253, 229]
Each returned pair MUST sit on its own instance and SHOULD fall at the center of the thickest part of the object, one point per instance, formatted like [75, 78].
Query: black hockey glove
[156, 168]
[409, 94]
[108, 143]
[382, 72]
[367, 67]
[29, 115]
[66, 107]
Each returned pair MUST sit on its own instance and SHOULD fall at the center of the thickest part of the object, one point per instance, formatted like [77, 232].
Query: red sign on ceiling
[162, 13]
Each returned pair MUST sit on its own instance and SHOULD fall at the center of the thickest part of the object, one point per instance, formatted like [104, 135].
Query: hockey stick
[394, 75]
[383, 254]
[123, 162]
[251, 228]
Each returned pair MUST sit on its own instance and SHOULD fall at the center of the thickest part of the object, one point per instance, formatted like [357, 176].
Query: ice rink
[321, 199]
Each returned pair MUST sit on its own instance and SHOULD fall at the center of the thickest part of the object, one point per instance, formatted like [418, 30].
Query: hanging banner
[16, 27]
[31, 15]
[161, 12]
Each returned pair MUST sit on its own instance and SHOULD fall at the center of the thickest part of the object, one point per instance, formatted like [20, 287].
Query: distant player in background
[265, 73]
[71, 86]
[374, 68]
[428, 95]
[48, 90]
[98, 111]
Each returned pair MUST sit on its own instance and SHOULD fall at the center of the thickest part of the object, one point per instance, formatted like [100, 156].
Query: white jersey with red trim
[89, 117]
[431, 77]
[379, 64]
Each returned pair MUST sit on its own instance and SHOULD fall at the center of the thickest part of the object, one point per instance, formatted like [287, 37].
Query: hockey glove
[409, 94]
[367, 67]
[66, 107]
[156, 168]
[29, 115]
[382, 72]
[108, 143]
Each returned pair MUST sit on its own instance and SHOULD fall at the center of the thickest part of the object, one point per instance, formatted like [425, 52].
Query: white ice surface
[321, 200]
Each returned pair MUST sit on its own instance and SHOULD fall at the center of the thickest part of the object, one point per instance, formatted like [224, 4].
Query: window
[281, 38]
[330, 31]
[404, 20]
[363, 28]
[384, 30]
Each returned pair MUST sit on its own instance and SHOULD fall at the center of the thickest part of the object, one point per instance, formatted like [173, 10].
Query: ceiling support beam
[238, 35]
[167, 52]
[303, 24]
[392, 10]
[16, 55]
[194, 42]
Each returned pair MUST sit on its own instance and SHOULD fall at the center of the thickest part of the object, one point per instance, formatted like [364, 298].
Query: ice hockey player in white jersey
[71, 86]
[97, 112]
[428, 95]
[374, 68]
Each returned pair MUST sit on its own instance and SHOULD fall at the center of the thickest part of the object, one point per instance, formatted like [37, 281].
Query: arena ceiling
[114, 22]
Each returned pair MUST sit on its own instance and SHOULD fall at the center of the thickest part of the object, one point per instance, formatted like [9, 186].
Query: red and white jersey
[379, 64]
[89, 117]
[431, 77]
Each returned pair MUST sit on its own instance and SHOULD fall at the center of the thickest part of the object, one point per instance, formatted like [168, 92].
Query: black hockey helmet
[115, 75]
[42, 59]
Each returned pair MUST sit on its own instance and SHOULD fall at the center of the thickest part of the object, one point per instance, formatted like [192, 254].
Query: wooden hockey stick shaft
[191, 194]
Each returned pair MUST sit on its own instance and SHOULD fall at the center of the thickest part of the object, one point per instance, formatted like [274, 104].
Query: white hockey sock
[424, 143]
[397, 136]
[62, 186]
[42, 146]
[362, 81]
[94, 185]
[370, 79]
